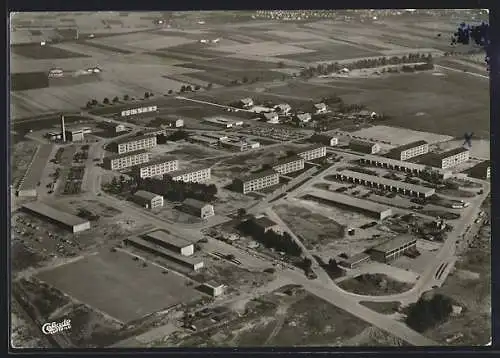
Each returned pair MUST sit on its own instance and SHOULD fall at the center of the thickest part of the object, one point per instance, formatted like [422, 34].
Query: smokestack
[63, 129]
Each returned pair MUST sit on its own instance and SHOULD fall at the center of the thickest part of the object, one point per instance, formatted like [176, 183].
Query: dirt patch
[374, 285]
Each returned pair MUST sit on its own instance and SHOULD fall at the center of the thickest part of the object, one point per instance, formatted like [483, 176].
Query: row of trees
[178, 190]
[272, 240]
[427, 313]
[120, 185]
[325, 69]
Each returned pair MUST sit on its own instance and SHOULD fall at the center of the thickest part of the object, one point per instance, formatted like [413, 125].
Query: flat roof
[394, 243]
[349, 200]
[198, 204]
[163, 251]
[128, 154]
[356, 258]
[415, 144]
[186, 171]
[380, 180]
[311, 147]
[203, 139]
[449, 153]
[213, 284]
[156, 161]
[146, 195]
[167, 238]
[391, 161]
[479, 169]
[258, 175]
[37, 167]
[54, 214]
[134, 138]
[290, 159]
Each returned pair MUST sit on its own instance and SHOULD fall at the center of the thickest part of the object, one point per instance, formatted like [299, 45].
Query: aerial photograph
[284, 178]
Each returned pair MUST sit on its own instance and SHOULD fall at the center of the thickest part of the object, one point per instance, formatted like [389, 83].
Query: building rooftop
[37, 167]
[449, 153]
[394, 243]
[415, 144]
[186, 171]
[156, 161]
[479, 170]
[167, 238]
[264, 222]
[290, 159]
[193, 203]
[349, 201]
[146, 195]
[262, 174]
[134, 138]
[389, 182]
[128, 154]
[356, 258]
[311, 147]
[405, 164]
[213, 284]
[205, 139]
[54, 214]
[163, 251]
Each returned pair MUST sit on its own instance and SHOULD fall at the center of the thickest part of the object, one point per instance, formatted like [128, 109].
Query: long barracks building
[191, 175]
[407, 167]
[256, 181]
[126, 160]
[135, 143]
[313, 152]
[410, 150]
[156, 168]
[383, 183]
[289, 165]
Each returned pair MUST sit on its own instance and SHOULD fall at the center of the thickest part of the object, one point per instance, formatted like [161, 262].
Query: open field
[107, 281]
[399, 136]
[36, 51]
[224, 78]
[330, 52]
[312, 228]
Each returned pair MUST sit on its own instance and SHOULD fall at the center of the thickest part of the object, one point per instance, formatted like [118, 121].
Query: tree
[290, 153]
[183, 88]
[209, 86]
[88, 105]
[94, 102]
[105, 100]
[189, 88]
[126, 97]
[281, 64]
[146, 95]
[245, 79]
[115, 99]
[197, 87]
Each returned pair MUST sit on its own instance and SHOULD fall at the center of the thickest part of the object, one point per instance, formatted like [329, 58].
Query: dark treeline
[178, 190]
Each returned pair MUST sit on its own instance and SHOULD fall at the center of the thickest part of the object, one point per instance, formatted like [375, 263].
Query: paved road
[461, 71]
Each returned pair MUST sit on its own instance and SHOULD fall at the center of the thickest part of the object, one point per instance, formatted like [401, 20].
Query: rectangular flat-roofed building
[157, 167]
[450, 158]
[171, 242]
[198, 139]
[68, 221]
[290, 164]
[112, 127]
[383, 183]
[192, 263]
[216, 136]
[75, 135]
[481, 170]
[148, 200]
[375, 210]
[223, 122]
[132, 144]
[364, 146]
[355, 260]
[313, 152]
[256, 181]
[393, 248]
[213, 288]
[198, 208]
[264, 224]
[410, 150]
[27, 186]
[407, 167]
[191, 175]
[126, 160]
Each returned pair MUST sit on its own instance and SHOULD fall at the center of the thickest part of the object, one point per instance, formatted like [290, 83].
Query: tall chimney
[63, 129]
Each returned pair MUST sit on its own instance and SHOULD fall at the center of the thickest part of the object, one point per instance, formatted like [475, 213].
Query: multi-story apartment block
[289, 165]
[191, 175]
[157, 167]
[316, 151]
[132, 144]
[256, 181]
[410, 150]
[451, 158]
[126, 160]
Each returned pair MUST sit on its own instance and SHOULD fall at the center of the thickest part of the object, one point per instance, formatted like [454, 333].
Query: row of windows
[193, 177]
[125, 162]
[137, 145]
[260, 183]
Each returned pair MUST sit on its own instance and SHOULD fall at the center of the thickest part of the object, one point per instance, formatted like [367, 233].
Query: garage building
[394, 248]
[171, 242]
[148, 200]
[198, 208]
[68, 221]
[28, 184]
[375, 210]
